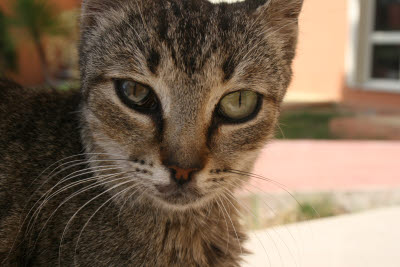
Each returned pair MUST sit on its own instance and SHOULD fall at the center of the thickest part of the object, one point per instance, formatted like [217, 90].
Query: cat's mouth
[175, 194]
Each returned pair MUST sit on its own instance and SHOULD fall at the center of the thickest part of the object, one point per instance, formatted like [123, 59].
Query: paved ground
[329, 165]
[369, 239]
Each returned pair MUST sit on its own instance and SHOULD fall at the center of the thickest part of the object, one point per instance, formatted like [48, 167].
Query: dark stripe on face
[229, 68]
[153, 60]
[91, 83]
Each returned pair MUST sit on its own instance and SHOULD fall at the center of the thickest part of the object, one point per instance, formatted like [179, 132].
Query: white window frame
[362, 38]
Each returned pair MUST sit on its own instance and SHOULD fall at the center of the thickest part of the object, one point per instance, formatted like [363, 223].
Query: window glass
[386, 62]
[387, 15]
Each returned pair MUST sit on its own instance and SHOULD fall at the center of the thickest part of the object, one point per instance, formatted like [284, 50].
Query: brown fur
[109, 199]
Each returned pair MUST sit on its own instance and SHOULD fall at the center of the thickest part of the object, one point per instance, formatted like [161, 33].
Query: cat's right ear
[281, 15]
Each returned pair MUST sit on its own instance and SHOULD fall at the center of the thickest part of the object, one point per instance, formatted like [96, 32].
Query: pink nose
[181, 175]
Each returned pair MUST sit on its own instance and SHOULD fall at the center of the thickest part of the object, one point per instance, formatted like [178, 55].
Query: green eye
[239, 105]
[136, 95]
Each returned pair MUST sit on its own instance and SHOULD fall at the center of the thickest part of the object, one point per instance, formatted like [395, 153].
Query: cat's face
[182, 92]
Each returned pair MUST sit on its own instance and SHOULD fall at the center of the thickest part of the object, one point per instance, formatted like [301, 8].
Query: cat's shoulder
[17, 99]
[6, 83]
[8, 88]
[12, 95]
[27, 110]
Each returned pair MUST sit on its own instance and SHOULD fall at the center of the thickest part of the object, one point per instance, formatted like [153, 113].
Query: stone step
[367, 127]
[262, 209]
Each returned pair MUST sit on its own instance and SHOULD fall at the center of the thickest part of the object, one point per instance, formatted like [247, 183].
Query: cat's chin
[179, 197]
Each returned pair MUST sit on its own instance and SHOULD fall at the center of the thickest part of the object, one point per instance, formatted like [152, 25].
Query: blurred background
[336, 158]
[38, 42]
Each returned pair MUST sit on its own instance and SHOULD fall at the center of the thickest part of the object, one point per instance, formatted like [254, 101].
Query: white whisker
[97, 184]
[227, 229]
[45, 198]
[234, 198]
[87, 203]
[234, 229]
[97, 210]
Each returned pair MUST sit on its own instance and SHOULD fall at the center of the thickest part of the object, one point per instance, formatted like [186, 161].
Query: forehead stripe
[229, 68]
[153, 60]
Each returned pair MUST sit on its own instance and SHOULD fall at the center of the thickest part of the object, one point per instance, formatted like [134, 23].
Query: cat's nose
[181, 175]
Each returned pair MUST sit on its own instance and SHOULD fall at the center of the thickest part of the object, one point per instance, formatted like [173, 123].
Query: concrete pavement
[369, 239]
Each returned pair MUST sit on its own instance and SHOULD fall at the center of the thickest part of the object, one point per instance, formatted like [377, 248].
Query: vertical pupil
[137, 94]
[134, 89]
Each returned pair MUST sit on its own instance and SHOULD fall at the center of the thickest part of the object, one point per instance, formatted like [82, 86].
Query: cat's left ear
[279, 15]
[92, 10]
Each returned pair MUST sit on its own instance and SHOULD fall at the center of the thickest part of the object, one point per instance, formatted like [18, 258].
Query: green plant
[310, 209]
[8, 55]
[318, 209]
[38, 18]
[306, 124]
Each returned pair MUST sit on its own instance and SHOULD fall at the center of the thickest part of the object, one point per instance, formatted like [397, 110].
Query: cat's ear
[92, 10]
[281, 15]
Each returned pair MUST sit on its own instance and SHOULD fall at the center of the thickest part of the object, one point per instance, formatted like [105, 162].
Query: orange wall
[320, 61]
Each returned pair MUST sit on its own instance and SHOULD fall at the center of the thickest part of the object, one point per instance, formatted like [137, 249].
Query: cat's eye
[136, 95]
[239, 106]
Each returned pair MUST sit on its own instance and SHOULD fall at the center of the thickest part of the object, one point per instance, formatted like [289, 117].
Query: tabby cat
[139, 168]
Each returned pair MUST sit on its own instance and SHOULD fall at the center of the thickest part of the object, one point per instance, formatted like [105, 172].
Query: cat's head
[180, 95]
